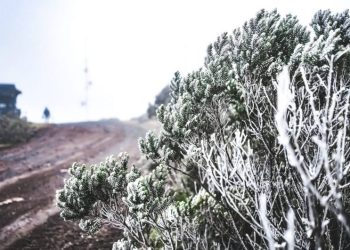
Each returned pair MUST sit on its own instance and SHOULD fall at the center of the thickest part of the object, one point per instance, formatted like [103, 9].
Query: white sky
[133, 49]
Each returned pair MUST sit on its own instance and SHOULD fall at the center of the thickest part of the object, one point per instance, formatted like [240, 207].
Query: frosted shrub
[110, 193]
[253, 151]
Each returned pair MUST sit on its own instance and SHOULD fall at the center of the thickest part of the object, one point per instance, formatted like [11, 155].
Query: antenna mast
[88, 82]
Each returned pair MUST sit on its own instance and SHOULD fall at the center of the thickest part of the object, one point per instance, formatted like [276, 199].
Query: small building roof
[8, 89]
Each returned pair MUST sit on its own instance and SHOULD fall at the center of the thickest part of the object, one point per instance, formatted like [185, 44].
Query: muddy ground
[31, 173]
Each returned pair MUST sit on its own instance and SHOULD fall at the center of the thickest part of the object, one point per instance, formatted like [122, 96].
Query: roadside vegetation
[15, 130]
[162, 98]
[253, 152]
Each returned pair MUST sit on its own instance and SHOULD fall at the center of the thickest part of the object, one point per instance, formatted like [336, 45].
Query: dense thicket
[253, 151]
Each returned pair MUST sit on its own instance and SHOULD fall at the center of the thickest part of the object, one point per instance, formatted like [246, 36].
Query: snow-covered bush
[253, 151]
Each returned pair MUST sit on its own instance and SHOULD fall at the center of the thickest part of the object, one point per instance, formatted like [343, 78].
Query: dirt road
[31, 173]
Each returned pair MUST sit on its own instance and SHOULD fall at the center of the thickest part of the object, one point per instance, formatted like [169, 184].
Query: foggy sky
[132, 49]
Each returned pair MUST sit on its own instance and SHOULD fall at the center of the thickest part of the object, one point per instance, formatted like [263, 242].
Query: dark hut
[8, 96]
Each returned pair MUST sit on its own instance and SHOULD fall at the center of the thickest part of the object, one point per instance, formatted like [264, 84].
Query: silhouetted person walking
[46, 114]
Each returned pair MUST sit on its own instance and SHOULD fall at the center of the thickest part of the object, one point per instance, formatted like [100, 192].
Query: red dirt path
[31, 173]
